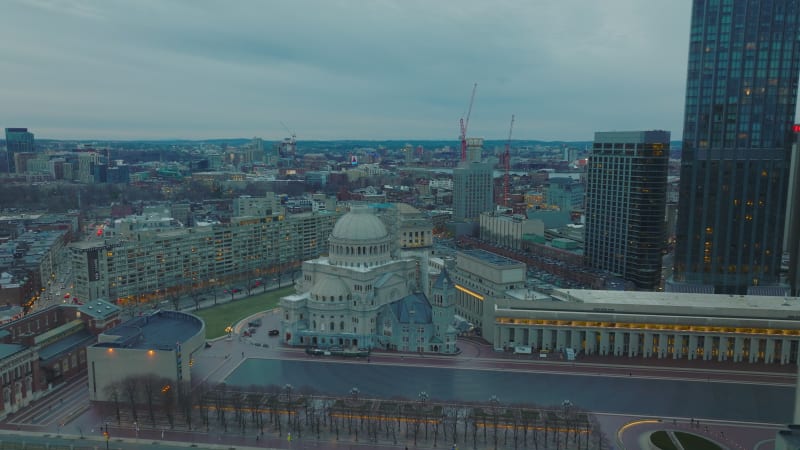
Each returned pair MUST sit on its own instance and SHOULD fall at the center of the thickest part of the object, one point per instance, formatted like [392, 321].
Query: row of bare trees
[150, 401]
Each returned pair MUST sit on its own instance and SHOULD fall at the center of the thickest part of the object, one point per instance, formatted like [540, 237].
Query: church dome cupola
[359, 239]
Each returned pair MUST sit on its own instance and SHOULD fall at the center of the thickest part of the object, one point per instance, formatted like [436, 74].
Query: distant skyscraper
[472, 190]
[18, 140]
[740, 106]
[625, 204]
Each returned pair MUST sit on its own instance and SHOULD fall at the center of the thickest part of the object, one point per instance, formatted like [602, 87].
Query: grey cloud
[343, 69]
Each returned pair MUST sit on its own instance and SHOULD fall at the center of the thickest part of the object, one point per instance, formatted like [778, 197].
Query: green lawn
[695, 442]
[225, 314]
[661, 440]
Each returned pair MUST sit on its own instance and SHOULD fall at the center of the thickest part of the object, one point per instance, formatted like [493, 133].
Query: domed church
[363, 295]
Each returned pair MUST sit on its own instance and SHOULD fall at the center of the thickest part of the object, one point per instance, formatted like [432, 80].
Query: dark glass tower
[18, 140]
[741, 91]
[626, 184]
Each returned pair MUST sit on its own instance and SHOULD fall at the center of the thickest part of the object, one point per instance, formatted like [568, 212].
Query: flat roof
[60, 346]
[99, 309]
[679, 300]
[491, 258]
[7, 350]
[527, 294]
[161, 330]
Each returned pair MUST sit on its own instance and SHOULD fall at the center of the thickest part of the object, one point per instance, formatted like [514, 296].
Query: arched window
[333, 326]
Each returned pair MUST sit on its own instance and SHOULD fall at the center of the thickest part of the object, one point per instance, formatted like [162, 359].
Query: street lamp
[288, 388]
[106, 435]
[495, 402]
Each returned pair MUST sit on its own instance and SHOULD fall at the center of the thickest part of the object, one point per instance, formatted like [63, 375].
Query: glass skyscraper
[741, 92]
[626, 184]
[18, 140]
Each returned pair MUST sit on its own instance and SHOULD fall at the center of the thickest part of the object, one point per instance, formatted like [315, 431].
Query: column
[769, 352]
[574, 339]
[662, 345]
[619, 343]
[498, 337]
[533, 336]
[754, 344]
[786, 347]
[591, 341]
[738, 346]
[723, 348]
[547, 338]
[633, 345]
[708, 347]
[604, 342]
[561, 340]
[648, 345]
[692, 347]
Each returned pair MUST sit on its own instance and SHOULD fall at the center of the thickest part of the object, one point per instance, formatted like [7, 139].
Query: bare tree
[151, 387]
[186, 400]
[175, 299]
[131, 387]
[114, 393]
[195, 295]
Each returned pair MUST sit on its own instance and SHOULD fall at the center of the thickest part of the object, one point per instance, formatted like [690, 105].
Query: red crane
[507, 163]
[465, 124]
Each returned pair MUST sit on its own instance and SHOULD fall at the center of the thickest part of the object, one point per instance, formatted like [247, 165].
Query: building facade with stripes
[737, 328]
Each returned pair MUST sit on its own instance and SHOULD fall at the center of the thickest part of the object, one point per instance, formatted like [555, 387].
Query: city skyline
[330, 70]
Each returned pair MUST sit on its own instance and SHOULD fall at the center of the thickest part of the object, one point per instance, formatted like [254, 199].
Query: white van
[523, 350]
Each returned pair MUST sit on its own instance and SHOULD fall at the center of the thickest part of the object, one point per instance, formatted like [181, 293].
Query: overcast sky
[341, 69]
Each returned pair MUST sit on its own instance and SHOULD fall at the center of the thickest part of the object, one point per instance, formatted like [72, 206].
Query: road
[590, 388]
[750, 399]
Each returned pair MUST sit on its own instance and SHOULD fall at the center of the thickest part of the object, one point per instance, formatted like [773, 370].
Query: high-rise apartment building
[18, 140]
[472, 190]
[154, 257]
[741, 93]
[472, 184]
[625, 204]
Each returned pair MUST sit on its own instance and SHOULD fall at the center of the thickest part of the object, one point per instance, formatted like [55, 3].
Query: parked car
[274, 332]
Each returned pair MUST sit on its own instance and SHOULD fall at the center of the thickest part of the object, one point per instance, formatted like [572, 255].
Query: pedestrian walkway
[636, 434]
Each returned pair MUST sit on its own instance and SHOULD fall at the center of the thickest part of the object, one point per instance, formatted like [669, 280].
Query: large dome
[330, 288]
[360, 224]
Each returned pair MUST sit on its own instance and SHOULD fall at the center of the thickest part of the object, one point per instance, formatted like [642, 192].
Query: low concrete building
[480, 274]
[159, 344]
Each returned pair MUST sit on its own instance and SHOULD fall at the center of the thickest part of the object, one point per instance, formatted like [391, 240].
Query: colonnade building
[736, 328]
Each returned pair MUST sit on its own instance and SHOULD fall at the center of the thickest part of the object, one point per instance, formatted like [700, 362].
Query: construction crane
[465, 124]
[507, 164]
[289, 145]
